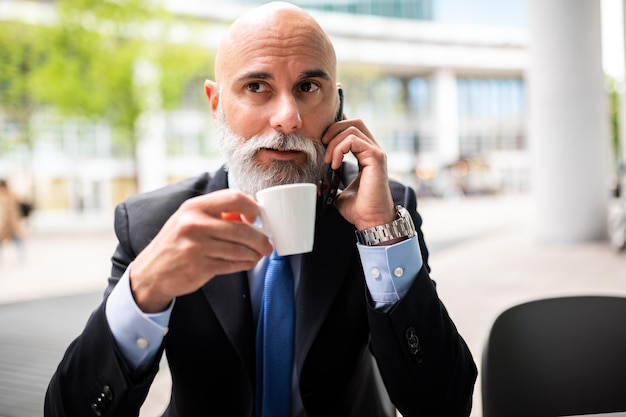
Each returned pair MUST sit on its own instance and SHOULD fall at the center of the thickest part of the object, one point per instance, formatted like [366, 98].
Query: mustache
[284, 142]
[275, 140]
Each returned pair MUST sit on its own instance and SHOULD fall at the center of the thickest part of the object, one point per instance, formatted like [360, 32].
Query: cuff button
[375, 273]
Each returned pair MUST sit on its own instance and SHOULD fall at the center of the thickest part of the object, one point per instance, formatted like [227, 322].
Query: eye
[308, 87]
[256, 87]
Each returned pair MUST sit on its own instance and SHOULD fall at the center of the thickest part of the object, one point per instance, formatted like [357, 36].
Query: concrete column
[151, 151]
[151, 147]
[447, 127]
[568, 122]
[622, 97]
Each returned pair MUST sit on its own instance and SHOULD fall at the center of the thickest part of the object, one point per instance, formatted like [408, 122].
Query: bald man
[188, 281]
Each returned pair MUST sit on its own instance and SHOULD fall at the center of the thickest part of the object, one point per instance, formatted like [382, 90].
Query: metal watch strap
[401, 227]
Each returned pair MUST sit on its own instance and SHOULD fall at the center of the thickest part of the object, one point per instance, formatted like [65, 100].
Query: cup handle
[258, 223]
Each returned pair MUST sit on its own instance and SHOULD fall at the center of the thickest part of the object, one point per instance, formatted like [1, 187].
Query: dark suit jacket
[426, 366]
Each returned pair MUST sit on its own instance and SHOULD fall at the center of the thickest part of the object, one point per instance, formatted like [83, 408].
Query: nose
[286, 116]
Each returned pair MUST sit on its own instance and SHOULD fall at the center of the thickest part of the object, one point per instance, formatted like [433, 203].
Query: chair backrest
[556, 357]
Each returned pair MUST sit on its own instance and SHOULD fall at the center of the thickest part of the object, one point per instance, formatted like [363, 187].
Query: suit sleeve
[93, 378]
[425, 364]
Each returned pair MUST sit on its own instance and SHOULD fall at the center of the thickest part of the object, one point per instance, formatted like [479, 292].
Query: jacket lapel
[321, 275]
[229, 297]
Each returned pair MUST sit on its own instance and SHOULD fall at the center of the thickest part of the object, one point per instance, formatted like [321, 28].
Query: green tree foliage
[98, 44]
[614, 122]
[21, 52]
[179, 65]
[84, 64]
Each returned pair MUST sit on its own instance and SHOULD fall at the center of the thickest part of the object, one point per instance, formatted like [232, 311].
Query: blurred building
[440, 83]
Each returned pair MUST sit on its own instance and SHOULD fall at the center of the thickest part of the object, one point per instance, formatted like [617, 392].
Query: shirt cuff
[138, 335]
[390, 270]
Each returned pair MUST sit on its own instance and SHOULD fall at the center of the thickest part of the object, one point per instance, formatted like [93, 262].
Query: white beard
[251, 176]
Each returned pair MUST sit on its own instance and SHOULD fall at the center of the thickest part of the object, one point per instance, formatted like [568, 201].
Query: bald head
[275, 73]
[273, 25]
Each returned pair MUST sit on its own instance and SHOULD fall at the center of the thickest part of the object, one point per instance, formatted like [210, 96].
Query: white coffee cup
[288, 217]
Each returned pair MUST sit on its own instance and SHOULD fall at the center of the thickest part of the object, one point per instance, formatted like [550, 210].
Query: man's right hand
[196, 244]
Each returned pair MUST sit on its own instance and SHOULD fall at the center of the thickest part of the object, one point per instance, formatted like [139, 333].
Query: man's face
[276, 78]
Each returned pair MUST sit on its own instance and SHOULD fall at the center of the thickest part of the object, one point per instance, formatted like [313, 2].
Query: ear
[212, 92]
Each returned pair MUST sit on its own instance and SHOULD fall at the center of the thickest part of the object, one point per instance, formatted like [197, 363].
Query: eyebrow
[316, 73]
[256, 76]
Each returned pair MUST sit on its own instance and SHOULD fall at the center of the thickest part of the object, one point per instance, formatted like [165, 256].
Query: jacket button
[414, 344]
[108, 393]
[103, 401]
[412, 340]
[96, 409]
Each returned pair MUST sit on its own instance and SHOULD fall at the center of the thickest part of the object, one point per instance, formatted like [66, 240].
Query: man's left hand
[366, 202]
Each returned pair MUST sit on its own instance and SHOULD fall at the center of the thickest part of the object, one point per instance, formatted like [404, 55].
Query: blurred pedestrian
[10, 218]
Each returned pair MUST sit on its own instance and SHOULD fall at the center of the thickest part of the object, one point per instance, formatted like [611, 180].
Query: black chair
[556, 357]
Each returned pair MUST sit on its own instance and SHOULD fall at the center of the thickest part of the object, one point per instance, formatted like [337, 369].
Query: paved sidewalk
[483, 257]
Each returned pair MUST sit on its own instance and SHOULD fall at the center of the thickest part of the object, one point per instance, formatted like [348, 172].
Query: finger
[332, 138]
[333, 130]
[222, 267]
[225, 201]
[233, 251]
[193, 231]
[233, 240]
[338, 128]
[351, 137]
[364, 149]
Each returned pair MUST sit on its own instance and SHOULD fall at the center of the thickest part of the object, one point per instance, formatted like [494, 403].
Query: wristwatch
[401, 227]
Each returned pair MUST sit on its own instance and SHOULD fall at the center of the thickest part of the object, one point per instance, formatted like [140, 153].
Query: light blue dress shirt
[389, 272]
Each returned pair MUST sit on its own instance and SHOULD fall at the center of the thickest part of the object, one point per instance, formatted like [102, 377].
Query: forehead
[279, 44]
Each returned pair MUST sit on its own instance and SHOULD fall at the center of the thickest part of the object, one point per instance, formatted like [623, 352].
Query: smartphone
[330, 183]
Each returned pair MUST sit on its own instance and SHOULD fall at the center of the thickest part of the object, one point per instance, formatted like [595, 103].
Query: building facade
[445, 100]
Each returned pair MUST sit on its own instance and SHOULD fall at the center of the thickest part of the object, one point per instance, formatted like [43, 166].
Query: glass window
[491, 114]
[408, 9]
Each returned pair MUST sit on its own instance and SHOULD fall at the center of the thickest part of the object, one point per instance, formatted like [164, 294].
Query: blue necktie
[274, 340]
